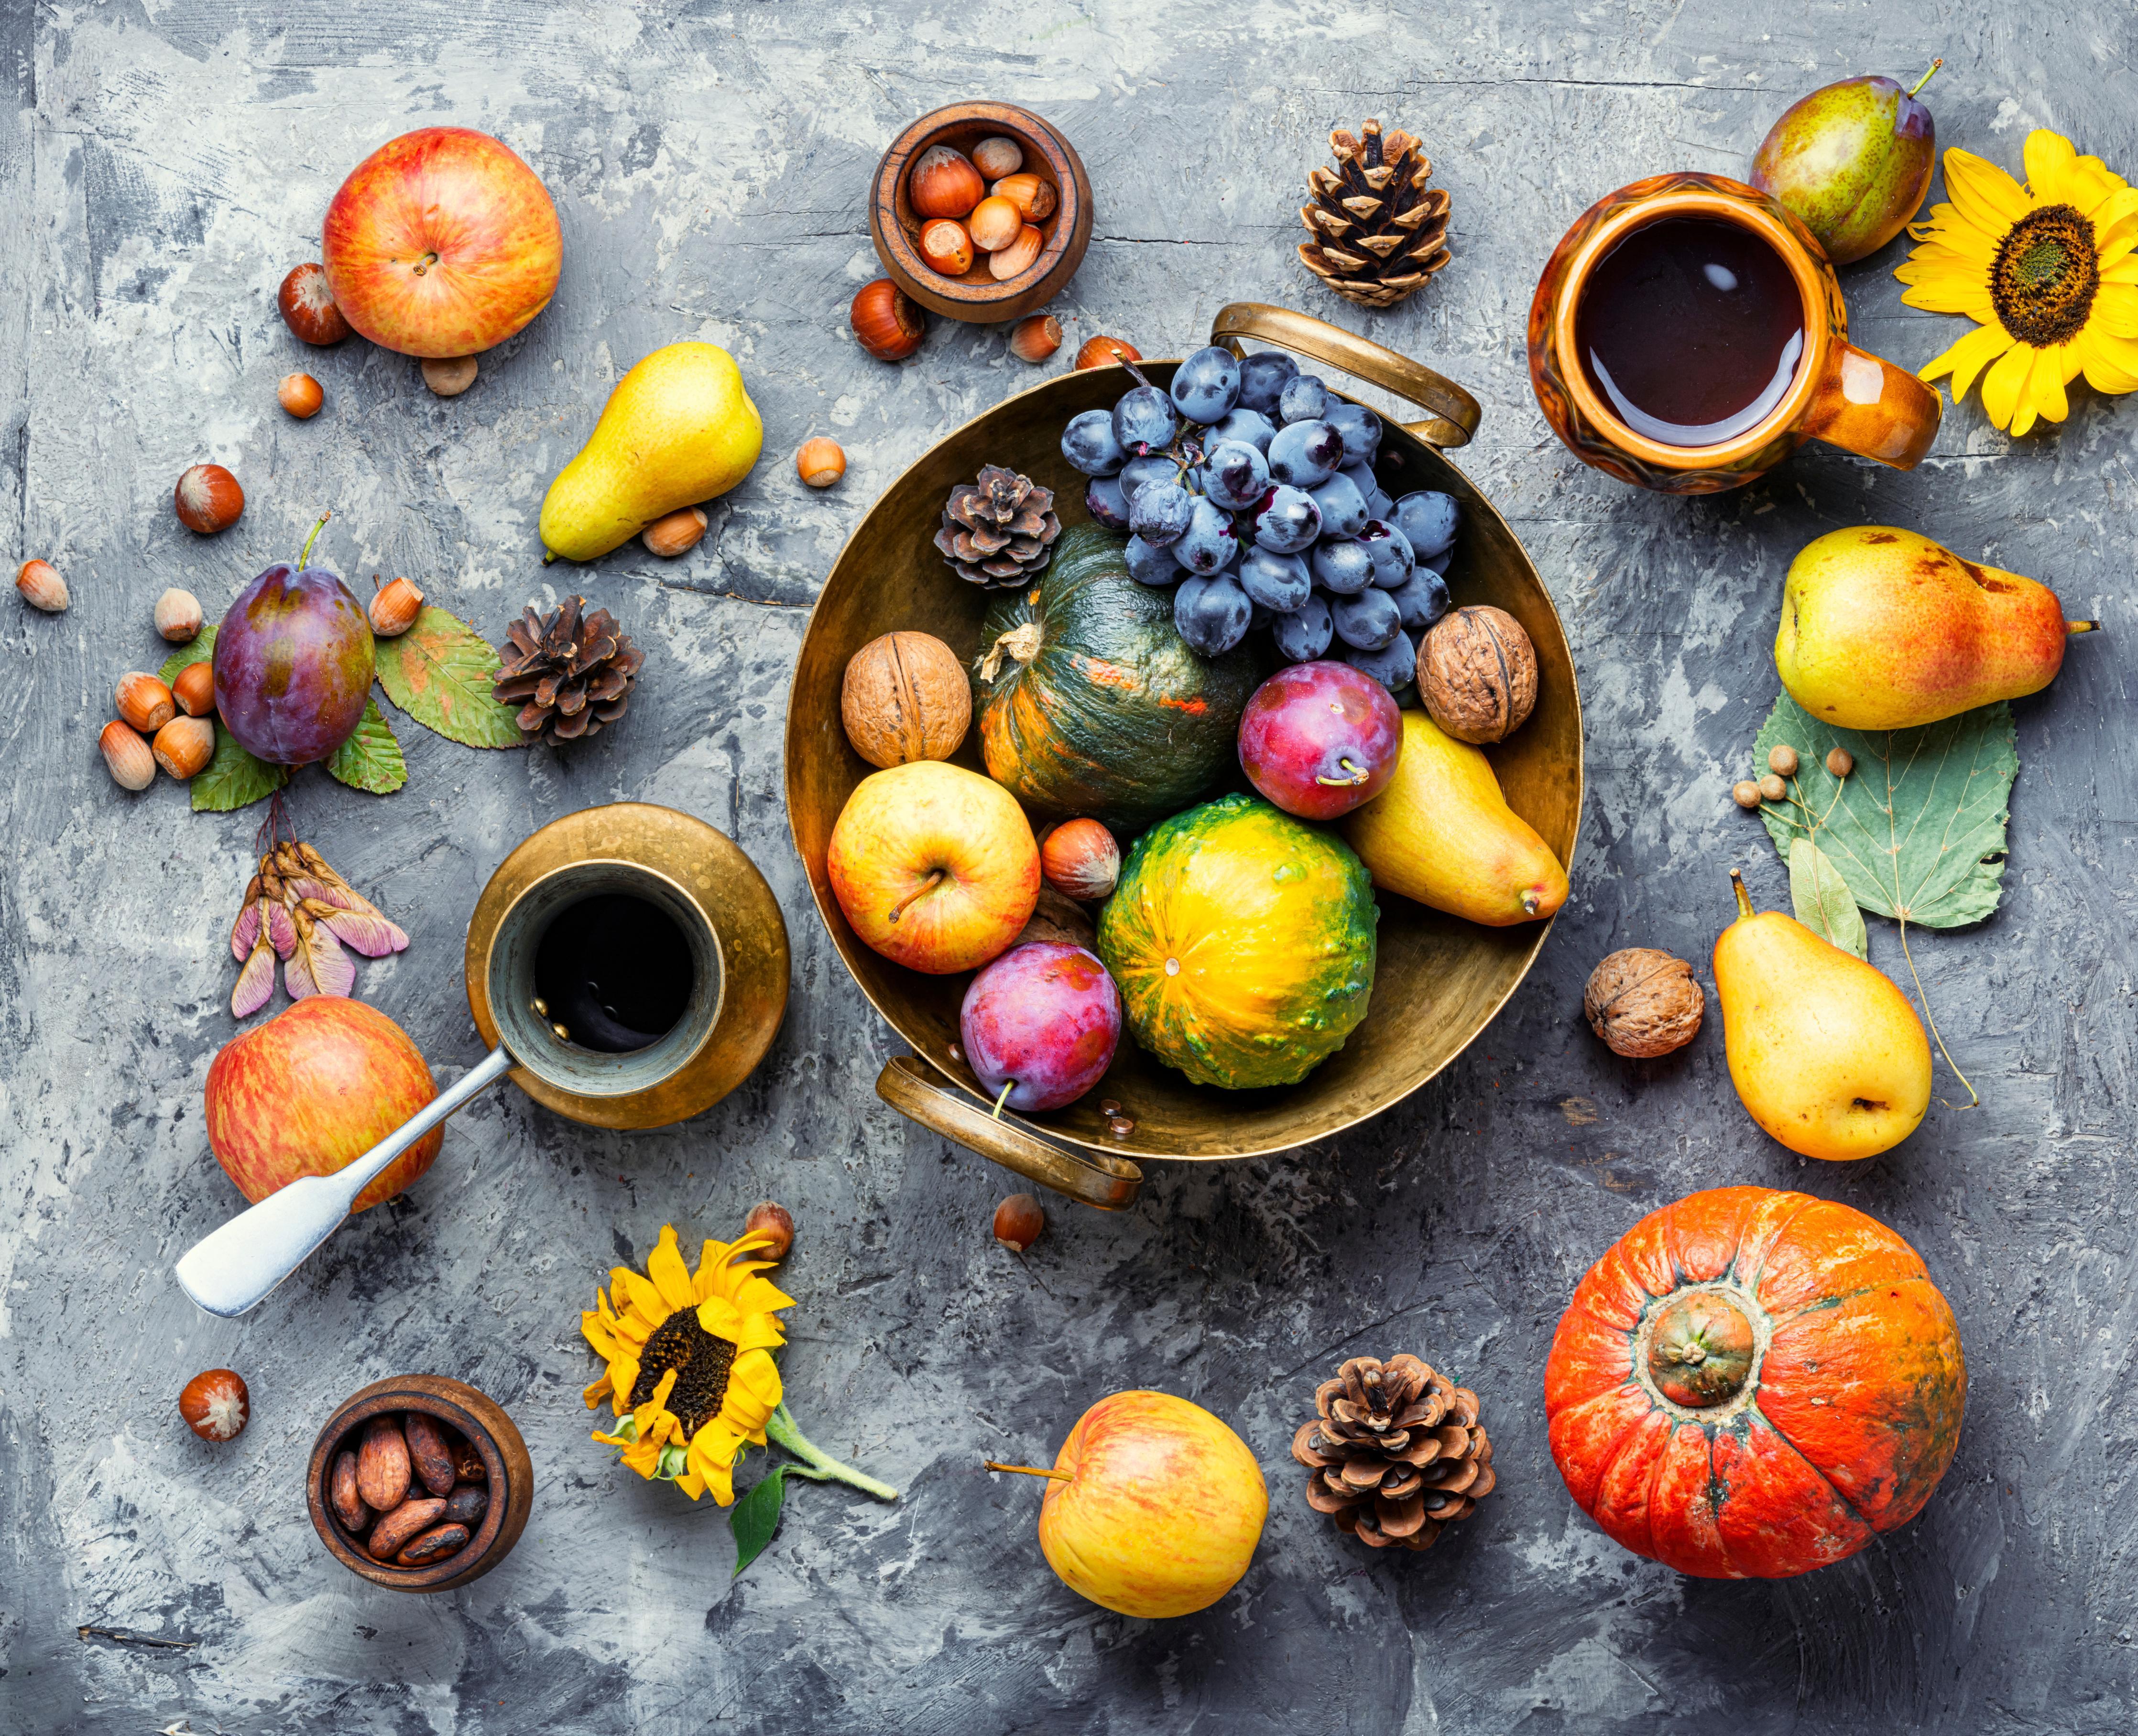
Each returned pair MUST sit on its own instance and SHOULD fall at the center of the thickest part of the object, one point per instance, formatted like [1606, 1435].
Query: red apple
[936, 867]
[317, 1087]
[442, 243]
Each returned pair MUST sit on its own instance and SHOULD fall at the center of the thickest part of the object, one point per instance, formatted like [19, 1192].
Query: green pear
[679, 429]
[1827, 1055]
[1882, 629]
[1853, 161]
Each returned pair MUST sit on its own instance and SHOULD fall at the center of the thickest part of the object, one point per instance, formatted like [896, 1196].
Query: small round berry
[1841, 761]
[1773, 789]
[1745, 794]
[1782, 760]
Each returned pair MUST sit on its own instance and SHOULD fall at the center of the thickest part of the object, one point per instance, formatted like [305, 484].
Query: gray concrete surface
[162, 165]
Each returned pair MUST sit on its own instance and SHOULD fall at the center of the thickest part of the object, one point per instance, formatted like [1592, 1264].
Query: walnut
[906, 698]
[1477, 674]
[1058, 919]
[1642, 1001]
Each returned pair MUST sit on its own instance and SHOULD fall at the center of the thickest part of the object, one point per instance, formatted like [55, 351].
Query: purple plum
[293, 663]
[1040, 1024]
[1320, 739]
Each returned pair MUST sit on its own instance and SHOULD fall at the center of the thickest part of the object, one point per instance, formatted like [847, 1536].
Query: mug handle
[1110, 1183]
[1871, 408]
[1455, 412]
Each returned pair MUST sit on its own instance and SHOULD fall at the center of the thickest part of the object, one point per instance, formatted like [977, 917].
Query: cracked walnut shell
[1477, 674]
[1643, 1002]
[906, 698]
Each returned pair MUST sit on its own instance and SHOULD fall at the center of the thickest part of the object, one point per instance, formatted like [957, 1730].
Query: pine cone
[1396, 1452]
[999, 531]
[1376, 232]
[574, 673]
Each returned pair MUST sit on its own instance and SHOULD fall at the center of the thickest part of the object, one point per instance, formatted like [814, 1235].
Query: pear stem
[1030, 1471]
[314, 537]
[1743, 898]
[2076, 627]
[1927, 76]
[1932, 1018]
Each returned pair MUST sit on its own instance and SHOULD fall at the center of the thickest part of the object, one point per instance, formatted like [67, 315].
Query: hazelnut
[995, 157]
[1773, 789]
[449, 376]
[1105, 352]
[133, 767]
[1841, 761]
[943, 183]
[184, 745]
[946, 246]
[145, 702]
[1782, 760]
[178, 616]
[215, 1404]
[394, 607]
[677, 534]
[307, 302]
[821, 462]
[1017, 256]
[1034, 199]
[1035, 338]
[887, 322]
[1080, 860]
[299, 394]
[994, 224]
[1477, 674]
[904, 697]
[768, 1218]
[194, 688]
[1018, 1222]
[1643, 1002]
[1745, 793]
[41, 586]
[208, 499]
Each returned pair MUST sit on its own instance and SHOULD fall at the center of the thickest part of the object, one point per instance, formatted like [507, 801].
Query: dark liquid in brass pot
[1692, 330]
[615, 972]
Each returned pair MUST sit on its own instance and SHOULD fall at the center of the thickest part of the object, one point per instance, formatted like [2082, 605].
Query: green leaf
[756, 1516]
[1822, 900]
[439, 672]
[1917, 830]
[233, 778]
[370, 759]
[201, 648]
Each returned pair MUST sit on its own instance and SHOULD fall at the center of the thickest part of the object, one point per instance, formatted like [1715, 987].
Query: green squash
[1242, 941]
[1091, 702]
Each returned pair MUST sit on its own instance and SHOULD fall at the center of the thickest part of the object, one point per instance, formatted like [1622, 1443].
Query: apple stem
[1030, 1471]
[314, 537]
[934, 879]
[1743, 898]
[1004, 1098]
[1359, 774]
[2076, 627]
[1927, 76]
[823, 1467]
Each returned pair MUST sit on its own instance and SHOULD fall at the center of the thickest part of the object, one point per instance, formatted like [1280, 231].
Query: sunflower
[690, 1375]
[2047, 270]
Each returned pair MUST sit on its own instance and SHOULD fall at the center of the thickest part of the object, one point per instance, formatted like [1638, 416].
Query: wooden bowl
[895, 226]
[1438, 980]
[486, 1428]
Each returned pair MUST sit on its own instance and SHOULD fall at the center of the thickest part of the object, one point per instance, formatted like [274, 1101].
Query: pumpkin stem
[1021, 641]
[934, 879]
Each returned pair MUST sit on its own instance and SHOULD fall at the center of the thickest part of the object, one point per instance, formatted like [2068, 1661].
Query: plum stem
[314, 537]
[1359, 774]
[934, 879]
[1006, 1088]
[1030, 1471]
[1927, 76]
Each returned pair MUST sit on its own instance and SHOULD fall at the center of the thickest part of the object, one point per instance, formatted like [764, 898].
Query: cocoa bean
[467, 1464]
[428, 1453]
[391, 1534]
[466, 1504]
[435, 1544]
[381, 1465]
[349, 1506]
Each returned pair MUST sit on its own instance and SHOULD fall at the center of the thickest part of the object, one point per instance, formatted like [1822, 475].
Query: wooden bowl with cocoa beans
[419, 1483]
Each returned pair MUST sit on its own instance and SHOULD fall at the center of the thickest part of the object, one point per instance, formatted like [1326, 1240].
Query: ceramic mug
[1839, 393]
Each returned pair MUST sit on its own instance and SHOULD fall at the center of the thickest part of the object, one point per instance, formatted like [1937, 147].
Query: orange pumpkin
[1750, 1384]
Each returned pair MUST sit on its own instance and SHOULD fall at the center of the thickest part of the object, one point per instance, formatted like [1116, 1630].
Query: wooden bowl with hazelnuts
[981, 211]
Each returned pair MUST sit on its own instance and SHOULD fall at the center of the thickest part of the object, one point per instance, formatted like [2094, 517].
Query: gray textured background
[162, 165]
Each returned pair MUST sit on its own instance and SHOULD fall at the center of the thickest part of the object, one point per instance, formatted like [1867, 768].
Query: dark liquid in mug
[1692, 330]
[614, 971]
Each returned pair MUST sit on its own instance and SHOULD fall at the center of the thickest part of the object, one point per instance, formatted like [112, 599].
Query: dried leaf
[1823, 901]
[318, 966]
[370, 759]
[255, 983]
[233, 778]
[440, 673]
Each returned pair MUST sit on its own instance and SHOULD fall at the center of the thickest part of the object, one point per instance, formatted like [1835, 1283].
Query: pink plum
[1320, 739]
[1042, 1020]
[293, 663]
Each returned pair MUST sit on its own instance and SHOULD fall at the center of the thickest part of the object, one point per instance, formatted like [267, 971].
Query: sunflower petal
[2050, 158]
[2045, 385]
[1983, 194]
[692, 1484]
[2115, 310]
[756, 1374]
[2003, 386]
[1968, 357]
[594, 1394]
[2112, 362]
[665, 1266]
[762, 1297]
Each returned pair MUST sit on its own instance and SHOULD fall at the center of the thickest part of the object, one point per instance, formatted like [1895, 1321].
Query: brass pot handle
[1110, 1183]
[1455, 412]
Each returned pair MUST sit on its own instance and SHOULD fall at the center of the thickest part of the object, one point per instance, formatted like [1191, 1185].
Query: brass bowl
[1438, 981]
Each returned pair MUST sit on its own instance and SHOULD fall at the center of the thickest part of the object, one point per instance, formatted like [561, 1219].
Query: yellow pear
[1827, 1055]
[678, 429]
[1882, 629]
[1442, 833]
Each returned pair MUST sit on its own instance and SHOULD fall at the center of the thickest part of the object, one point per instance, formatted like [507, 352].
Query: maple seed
[1841, 761]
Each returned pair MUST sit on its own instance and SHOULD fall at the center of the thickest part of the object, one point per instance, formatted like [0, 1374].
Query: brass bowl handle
[1455, 412]
[1110, 1183]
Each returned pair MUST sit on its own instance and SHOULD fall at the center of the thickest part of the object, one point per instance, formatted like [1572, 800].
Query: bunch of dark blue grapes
[1250, 487]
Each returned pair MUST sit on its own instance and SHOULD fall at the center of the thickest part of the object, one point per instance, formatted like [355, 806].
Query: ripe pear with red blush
[1852, 162]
